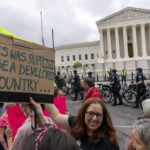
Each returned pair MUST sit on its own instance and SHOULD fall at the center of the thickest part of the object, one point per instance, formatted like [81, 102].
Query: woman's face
[60, 93]
[93, 117]
[26, 109]
[84, 85]
[137, 144]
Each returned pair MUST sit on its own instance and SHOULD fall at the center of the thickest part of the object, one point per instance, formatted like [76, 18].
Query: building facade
[87, 53]
[124, 43]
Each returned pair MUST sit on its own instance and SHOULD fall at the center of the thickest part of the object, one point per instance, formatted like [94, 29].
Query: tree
[77, 64]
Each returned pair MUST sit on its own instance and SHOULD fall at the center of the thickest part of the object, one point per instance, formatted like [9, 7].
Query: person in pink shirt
[5, 132]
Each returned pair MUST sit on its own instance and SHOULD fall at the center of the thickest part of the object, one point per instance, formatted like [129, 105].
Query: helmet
[75, 71]
[139, 69]
[114, 70]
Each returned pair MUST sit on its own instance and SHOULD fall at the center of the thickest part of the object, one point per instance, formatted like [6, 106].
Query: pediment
[126, 14]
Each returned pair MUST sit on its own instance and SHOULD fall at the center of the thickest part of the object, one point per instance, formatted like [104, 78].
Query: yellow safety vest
[123, 72]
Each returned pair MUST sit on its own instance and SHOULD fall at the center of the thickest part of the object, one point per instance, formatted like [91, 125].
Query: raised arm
[61, 119]
[2, 140]
[8, 133]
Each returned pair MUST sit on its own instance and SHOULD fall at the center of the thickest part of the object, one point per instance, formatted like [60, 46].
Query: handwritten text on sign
[25, 70]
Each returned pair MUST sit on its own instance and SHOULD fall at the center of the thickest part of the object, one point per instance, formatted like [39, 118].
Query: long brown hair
[52, 139]
[105, 130]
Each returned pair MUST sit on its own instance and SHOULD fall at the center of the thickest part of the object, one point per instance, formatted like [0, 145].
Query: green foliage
[77, 64]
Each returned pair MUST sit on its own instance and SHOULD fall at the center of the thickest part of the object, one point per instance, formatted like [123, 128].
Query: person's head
[86, 83]
[58, 72]
[114, 71]
[146, 108]
[50, 139]
[75, 71]
[140, 135]
[139, 70]
[89, 73]
[93, 119]
[26, 109]
[58, 92]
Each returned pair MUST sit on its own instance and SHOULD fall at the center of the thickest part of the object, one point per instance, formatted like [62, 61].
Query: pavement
[122, 116]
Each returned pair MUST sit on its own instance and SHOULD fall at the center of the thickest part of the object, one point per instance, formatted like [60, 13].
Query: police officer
[91, 77]
[123, 74]
[59, 80]
[77, 85]
[115, 82]
[140, 86]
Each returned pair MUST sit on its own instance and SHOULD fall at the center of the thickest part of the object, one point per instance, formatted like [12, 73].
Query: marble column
[102, 53]
[125, 42]
[117, 43]
[144, 53]
[109, 44]
[135, 48]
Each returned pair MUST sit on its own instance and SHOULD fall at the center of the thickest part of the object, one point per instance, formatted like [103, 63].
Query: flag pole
[42, 30]
[53, 39]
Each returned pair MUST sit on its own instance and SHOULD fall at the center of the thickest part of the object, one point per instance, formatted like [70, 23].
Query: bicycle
[129, 94]
[105, 90]
[145, 96]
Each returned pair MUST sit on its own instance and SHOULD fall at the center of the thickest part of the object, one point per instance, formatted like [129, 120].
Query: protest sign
[26, 70]
[60, 103]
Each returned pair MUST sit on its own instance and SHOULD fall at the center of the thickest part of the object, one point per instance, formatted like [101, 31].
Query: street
[122, 116]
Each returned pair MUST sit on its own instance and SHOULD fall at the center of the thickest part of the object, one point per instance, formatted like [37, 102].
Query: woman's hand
[38, 110]
[2, 140]
[8, 132]
[37, 107]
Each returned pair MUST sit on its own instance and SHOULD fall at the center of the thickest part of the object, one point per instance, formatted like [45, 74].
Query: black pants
[77, 92]
[124, 79]
[116, 95]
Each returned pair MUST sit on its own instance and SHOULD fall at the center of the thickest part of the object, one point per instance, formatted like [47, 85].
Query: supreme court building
[124, 43]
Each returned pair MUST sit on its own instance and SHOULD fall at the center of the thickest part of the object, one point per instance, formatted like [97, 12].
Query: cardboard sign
[26, 70]
[15, 117]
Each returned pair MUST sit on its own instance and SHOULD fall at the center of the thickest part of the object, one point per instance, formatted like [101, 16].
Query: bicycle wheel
[144, 97]
[129, 97]
[108, 96]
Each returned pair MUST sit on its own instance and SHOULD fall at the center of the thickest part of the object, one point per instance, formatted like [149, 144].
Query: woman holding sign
[92, 127]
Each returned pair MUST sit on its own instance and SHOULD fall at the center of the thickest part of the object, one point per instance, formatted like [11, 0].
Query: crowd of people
[85, 87]
[90, 129]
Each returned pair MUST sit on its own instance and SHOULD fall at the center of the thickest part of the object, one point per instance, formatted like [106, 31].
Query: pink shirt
[4, 120]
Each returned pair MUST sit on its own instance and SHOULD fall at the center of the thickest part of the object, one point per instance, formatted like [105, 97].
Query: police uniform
[141, 89]
[123, 75]
[116, 88]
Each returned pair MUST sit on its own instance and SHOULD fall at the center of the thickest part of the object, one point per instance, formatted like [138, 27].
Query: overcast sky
[72, 20]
